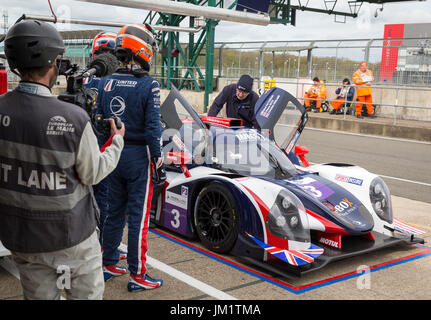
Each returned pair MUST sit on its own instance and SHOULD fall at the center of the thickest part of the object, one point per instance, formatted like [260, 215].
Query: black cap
[245, 83]
[32, 43]
[316, 79]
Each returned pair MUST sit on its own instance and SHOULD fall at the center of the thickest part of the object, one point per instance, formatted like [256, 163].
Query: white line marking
[211, 291]
[395, 178]
[370, 136]
[405, 180]
[10, 267]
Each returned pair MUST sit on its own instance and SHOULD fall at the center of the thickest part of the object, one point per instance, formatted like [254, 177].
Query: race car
[237, 190]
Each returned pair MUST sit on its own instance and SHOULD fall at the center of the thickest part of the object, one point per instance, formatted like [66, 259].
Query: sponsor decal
[184, 191]
[350, 180]
[58, 125]
[330, 239]
[313, 187]
[267, 110]
[117, 106]
[178, 142]
[178, 200]
[110, 85]
[329, 242]
[126, 83]
[113, 83]
[344, 206]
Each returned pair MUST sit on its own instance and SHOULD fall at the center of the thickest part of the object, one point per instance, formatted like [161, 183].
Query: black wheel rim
[215, 217]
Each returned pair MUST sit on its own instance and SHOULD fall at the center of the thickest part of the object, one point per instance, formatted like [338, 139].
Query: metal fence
[393, 61]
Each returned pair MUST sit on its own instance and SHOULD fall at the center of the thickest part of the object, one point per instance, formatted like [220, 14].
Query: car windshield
[283, 115]
[247, 152]
[241, 151]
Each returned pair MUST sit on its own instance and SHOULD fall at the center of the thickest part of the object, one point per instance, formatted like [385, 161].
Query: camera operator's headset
[32, 44]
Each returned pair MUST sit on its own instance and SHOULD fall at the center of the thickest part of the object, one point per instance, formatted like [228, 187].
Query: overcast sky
[309, 25]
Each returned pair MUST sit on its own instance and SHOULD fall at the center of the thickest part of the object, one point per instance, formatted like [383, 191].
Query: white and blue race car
[239, 192]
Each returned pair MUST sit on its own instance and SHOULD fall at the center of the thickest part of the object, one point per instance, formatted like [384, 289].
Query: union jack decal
[293, 257]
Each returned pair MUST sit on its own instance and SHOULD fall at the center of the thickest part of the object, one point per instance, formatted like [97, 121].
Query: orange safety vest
[317, 90]
[363, 81]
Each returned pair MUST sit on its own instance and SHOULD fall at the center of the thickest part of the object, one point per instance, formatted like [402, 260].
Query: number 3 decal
[313, 190]
[176, 219]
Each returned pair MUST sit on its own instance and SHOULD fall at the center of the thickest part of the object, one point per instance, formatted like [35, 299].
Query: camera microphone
[103, 65]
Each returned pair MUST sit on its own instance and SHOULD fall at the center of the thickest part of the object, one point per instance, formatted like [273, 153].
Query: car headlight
[287, 218]
[380, 197]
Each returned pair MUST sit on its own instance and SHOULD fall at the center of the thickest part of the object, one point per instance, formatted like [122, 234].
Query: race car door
[183, 129]
[282, 115]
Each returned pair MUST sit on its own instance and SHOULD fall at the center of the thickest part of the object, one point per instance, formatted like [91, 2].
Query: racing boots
[138, 282]
[122, 251]
[110, 271]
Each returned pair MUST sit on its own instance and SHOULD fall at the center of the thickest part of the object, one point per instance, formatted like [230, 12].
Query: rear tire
[216, 218]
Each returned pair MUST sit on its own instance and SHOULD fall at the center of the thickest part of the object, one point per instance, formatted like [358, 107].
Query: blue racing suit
[136, 101]
[92, 82]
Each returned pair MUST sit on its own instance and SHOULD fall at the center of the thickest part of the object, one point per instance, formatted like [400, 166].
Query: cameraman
[133, 96]
[50, 158]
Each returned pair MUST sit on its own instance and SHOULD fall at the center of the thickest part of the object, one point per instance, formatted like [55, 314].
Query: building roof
[80, 34]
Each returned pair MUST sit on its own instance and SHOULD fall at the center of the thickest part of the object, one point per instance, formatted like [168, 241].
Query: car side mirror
[301, 151]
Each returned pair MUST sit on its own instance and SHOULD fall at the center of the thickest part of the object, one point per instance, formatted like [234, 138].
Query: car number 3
[313, 190]
[175, 223]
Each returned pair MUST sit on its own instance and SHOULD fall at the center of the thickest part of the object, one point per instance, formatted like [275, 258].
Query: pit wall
[406, 97]
[381, 96]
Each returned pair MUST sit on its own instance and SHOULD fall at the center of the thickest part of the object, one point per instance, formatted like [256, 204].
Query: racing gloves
[159, 174]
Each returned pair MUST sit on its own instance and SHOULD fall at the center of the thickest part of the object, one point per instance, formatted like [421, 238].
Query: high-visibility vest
[318, 90]
[363, 81]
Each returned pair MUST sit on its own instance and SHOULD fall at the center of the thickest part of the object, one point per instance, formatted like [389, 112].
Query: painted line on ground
[369, 136]
[406, 180]
[7, 264]
[393, 178]
[419, 226]
[201, 286]
[289, 287]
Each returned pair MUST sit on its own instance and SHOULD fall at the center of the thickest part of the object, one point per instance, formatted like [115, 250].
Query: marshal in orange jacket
[363, 81]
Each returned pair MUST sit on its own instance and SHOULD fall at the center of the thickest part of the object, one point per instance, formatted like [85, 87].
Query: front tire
[216, 218]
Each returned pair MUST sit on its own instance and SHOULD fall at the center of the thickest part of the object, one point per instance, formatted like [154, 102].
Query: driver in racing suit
[103, 42]
[133, 96]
